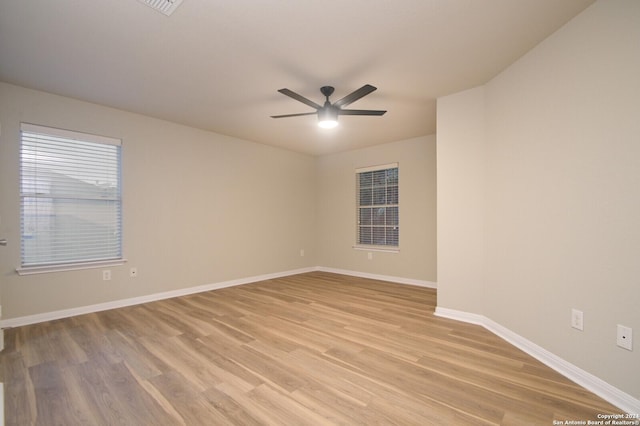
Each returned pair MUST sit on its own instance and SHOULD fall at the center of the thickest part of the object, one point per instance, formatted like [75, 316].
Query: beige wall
[336, 232]
[560, 173]
[199, 208]
[461, 201]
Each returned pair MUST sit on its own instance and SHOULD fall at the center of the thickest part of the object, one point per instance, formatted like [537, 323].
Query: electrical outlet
[301, 252]
[369, 255]
[625, 337]
[106, 275]
[133, 272]
[577, 319]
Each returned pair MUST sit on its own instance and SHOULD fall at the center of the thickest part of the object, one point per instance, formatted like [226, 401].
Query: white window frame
[72, 196]
[376, 247]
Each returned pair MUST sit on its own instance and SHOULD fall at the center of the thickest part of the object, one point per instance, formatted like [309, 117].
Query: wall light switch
[577, 319]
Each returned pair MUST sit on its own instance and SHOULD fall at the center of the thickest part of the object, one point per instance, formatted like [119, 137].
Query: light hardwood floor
[315, 348]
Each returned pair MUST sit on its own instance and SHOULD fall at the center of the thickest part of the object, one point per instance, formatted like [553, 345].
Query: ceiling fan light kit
[328, 118]
[328, 113]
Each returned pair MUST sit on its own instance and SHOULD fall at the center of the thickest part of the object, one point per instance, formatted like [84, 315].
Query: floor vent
[166, 7]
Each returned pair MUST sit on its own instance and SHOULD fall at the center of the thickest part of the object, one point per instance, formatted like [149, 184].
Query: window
[377, 205]
[70, 198]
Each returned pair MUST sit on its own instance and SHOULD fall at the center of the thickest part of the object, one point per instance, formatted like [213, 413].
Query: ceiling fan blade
[299, 98]
[360, 112]
[294, 115]
[352, 97]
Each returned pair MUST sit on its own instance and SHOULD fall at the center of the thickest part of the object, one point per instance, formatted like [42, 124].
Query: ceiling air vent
[166, 7]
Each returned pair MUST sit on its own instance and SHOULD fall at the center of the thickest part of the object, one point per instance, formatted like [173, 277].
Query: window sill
[378, 248]
[31, 270]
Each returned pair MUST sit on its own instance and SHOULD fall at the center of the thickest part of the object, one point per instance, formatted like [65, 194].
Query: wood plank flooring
[309, 349]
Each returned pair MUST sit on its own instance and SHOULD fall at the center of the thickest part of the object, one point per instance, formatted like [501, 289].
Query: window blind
[377, 201]
[70, 191]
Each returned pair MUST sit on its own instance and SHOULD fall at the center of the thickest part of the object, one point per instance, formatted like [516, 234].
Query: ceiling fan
[329, 112]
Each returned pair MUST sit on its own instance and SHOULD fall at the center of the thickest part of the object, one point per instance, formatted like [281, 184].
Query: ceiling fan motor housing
[328, 113]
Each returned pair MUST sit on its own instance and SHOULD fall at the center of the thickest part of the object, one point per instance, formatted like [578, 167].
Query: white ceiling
[217, 64]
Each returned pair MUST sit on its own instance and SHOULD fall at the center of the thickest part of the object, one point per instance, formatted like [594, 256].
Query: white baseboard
[601, 388]
[615, 396]
[65, 313]
[399, 280]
